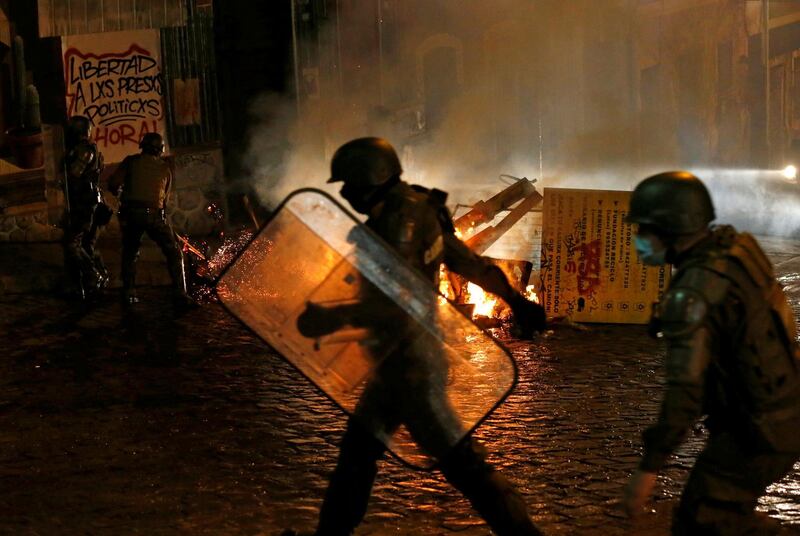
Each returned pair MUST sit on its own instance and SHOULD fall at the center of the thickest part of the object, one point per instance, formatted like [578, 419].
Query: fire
[445, 287]
[466, 233]
[530, 293]
[485, 304]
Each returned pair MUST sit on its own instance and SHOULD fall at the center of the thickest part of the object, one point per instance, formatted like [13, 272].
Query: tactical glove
[318, 320]
[529, 316]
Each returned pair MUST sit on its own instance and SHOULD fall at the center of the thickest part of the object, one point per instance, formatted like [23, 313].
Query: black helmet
[365, 163]
[152, 143]
[674, 202]
[78, 127]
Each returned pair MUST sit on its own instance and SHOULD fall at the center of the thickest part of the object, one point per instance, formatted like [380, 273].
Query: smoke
[582, 94]
[759, 201]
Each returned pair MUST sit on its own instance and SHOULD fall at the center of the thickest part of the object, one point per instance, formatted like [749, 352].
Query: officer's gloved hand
[103, 214]
[318, 320]
[529, 316]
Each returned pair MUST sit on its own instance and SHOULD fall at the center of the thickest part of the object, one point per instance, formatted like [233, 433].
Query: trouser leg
[161, 233]
[489, 492]
[89, 243]
[132, 233]
[351, 482]
[78, 264]
[723, 489]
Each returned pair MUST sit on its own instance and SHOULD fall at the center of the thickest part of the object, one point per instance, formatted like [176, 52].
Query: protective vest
[757, 368]
[146, 183]
[83, 165]
[410, 220]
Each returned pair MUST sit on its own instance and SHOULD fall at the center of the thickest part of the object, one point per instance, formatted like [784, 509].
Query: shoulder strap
[437, 198]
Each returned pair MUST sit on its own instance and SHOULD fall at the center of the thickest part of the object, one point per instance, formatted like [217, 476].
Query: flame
[445, 287]
[485, 304]
[531, 294]
[466, 233]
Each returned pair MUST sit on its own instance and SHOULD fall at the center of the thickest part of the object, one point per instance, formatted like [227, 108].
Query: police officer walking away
[143, 183]
[415, 222]
[731, 355]
[86, 211]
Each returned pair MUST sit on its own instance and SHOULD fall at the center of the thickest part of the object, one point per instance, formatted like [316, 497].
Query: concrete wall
[198, 182]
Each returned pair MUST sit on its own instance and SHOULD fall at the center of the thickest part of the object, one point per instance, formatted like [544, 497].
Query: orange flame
[445, 288]
[485, 304]
[531, 294]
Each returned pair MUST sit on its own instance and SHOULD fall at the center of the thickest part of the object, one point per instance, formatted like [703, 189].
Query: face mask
[363, 199]
[357, 197]
[648, 253]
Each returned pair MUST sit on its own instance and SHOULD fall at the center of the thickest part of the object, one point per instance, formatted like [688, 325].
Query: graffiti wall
[114, 78]
[590, 271]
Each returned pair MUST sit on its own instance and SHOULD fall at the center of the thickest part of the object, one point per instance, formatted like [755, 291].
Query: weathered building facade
[131, 67]
[576, 86]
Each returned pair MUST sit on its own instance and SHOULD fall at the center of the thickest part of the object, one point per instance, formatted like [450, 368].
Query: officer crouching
[143, 183]
[731, 355]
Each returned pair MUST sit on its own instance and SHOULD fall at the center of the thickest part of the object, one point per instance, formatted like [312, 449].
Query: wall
[31, 203]
[70, 17]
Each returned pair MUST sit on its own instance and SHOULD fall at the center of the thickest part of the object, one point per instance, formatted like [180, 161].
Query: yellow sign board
[590, 271]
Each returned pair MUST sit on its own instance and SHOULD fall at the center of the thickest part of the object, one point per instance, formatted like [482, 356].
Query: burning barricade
[476, 230]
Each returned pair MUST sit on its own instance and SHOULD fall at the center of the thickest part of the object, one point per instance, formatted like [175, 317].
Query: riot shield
[371, 332]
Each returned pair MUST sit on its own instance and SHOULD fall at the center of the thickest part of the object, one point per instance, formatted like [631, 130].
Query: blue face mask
[648, 253]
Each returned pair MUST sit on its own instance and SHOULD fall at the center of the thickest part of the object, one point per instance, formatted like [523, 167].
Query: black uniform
[732, 355]
[407, 388]
[146, 180]
[83, 164]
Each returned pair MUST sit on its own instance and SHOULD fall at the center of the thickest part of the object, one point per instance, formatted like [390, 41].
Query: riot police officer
[143, 183]
[86, 211]
[415, 222]
[731, 355]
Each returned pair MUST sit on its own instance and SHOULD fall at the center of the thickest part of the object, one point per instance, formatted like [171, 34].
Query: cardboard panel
[590, 271]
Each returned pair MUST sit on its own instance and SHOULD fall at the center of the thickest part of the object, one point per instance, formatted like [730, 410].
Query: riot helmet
[368, 167]
[152, 143]
[673, 203]
[78, 128]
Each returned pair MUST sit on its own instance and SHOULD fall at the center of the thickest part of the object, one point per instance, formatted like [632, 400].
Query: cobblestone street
[119, 423]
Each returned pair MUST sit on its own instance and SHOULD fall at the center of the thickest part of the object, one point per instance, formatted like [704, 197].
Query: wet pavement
[141, 422]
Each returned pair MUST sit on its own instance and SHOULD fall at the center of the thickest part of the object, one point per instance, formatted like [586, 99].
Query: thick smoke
[470, 90]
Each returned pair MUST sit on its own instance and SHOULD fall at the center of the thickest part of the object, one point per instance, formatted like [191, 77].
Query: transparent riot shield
[367, 329]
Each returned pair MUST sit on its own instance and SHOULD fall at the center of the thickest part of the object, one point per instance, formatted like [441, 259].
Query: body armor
[145, 181]
[416, 222]
[726, 287]
[83, 165]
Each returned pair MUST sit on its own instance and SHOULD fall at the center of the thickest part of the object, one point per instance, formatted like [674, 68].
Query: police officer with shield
[415, 222]
[143, 183]
[86, 210]
[731, 355]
